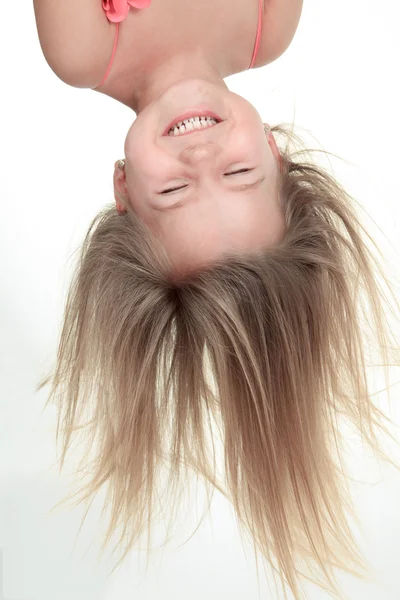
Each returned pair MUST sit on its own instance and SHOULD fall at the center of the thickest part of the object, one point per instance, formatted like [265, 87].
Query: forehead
[202, 230]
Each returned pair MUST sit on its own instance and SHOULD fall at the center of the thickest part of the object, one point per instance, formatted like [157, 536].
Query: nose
[199, 154]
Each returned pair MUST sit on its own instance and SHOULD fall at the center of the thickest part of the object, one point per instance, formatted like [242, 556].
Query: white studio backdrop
[339, 81]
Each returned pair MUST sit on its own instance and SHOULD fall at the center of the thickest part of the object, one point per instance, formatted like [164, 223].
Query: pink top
[117, 10]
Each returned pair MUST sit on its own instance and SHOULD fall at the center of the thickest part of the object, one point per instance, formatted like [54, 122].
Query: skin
[173, 57]
[217, 209]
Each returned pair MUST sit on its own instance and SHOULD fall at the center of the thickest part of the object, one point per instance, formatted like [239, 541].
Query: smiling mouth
[191, 124]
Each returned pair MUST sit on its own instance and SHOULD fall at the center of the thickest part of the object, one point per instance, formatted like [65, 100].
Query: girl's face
[210, 190]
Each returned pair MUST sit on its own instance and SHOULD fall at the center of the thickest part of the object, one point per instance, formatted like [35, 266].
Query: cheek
[145, 156]
[138, 145]
[137, 155]
[251, 117]
[252, 134]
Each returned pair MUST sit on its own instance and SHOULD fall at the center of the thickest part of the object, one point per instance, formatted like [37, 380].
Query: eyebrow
[248, 186]
[238, 188]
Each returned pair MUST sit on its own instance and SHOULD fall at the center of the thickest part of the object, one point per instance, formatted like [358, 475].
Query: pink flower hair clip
[117, 10]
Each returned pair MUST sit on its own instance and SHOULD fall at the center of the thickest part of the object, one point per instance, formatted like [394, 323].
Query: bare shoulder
[75, 37]
[280, 22]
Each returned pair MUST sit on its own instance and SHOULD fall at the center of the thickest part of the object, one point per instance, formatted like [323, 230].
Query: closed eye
[169, 190]
[239, 171]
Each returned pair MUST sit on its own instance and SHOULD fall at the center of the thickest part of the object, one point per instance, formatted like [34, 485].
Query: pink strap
[112, 55]
[253, 59]
[258, 36]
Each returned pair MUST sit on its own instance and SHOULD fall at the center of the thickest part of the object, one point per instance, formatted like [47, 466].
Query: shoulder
[75, 37]
[280, 21]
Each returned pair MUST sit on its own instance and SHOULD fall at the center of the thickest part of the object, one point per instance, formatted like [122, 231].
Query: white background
[339, 80]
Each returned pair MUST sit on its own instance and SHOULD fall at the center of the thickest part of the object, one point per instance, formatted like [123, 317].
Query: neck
[189, 65]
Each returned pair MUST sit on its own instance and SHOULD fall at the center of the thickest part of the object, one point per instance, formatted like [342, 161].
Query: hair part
[269, 346]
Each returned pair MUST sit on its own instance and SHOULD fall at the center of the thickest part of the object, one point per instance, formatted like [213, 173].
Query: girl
[232, 289]
[194, 145]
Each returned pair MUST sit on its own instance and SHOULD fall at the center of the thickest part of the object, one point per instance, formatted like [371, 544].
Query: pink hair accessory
[117, 10]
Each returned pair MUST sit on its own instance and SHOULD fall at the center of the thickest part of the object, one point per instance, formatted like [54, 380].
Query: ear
[274, 147]
[120, 188]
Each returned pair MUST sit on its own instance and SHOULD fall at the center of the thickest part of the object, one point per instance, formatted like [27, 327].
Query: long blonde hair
[270, 346]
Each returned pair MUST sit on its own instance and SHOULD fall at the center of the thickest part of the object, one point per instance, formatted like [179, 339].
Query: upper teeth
[192, 123]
